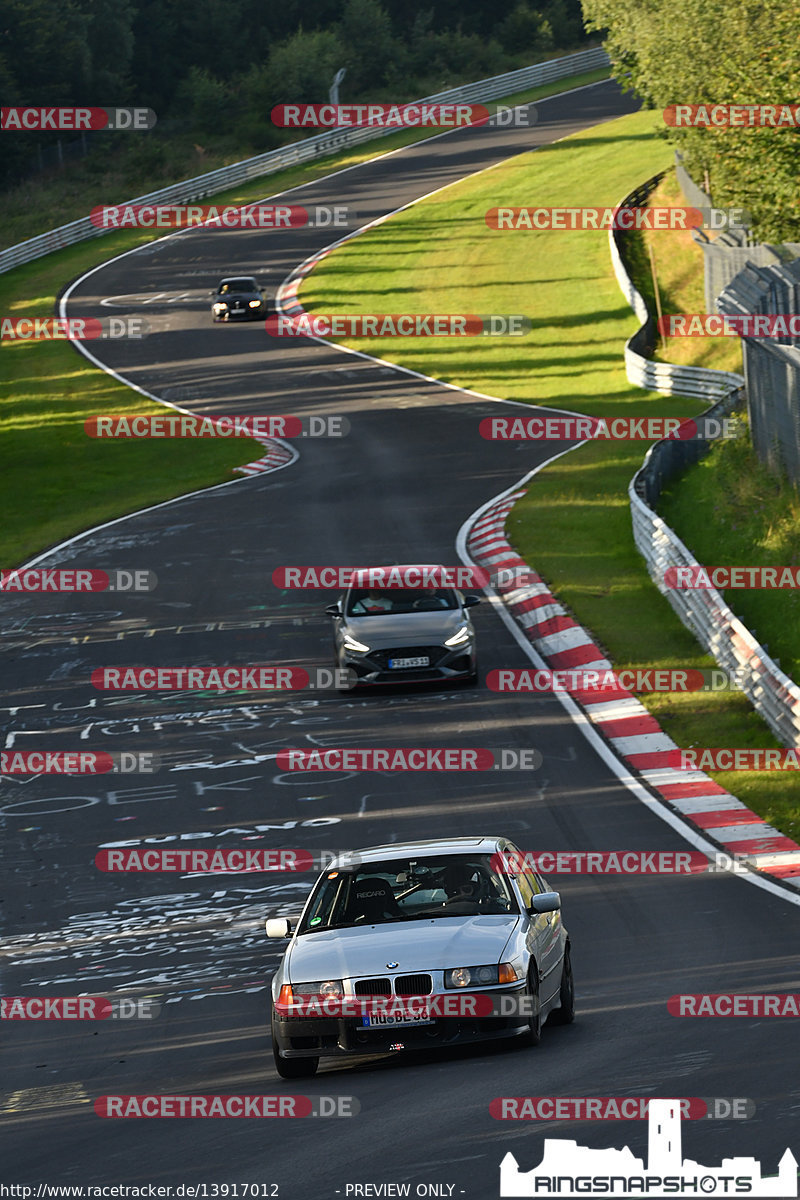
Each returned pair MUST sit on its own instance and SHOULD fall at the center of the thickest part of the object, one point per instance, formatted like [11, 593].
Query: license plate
[378, 1020]
[422, 661]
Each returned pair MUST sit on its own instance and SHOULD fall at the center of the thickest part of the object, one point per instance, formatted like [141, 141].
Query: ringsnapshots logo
[621, 218]
[222, 679]
[184, 425]
[73, 579]
[570, 1170]
[398, 325]
[230, 216]
[72, 329]
[76, 120]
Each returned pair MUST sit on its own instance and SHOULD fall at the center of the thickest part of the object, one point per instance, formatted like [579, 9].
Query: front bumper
[246, 314]
[373, 668]
[331, 1037]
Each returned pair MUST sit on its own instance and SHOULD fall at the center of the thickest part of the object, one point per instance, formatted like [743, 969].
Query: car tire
[565, 1015]
[292, 1068]
[533, 1034]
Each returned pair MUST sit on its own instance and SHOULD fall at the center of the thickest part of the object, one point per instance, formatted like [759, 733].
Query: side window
[530, 884]
[523, 882]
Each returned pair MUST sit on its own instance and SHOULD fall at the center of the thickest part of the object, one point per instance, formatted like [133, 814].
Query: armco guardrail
[642, 371]
[493, 88]
[771, 692]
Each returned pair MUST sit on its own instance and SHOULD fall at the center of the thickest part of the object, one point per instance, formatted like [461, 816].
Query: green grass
[52, 199]
[574, 525]
[56, 481]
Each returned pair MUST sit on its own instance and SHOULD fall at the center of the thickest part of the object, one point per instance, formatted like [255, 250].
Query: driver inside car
[374, 602]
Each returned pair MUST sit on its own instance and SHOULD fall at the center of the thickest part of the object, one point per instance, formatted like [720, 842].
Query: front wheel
[292, 1068]
[533, 1034]
[565, 1015]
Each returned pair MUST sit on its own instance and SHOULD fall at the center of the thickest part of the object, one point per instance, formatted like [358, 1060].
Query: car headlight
[254, 304]
[458, 639]
[220, 304]
[461, 977]
[351, 643]
[324, 987]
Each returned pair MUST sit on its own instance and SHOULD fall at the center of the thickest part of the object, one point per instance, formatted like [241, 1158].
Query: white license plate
[422, 661]
[379, 1020]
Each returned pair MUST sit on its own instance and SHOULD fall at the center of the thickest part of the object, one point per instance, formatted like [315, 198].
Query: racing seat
[373, 901]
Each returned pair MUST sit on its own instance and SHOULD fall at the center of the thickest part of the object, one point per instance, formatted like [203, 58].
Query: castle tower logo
[568, 1169]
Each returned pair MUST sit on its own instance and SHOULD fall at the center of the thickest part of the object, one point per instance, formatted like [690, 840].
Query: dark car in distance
[239, 298]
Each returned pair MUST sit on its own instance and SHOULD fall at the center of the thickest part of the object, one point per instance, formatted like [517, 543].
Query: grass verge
[574, 525]
[56, 481]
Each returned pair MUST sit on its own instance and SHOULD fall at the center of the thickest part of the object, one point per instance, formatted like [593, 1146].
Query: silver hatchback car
[395, 635]
[419, 945]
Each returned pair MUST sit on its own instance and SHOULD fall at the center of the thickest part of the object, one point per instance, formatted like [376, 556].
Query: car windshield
[408, 889]
[237, 285]
[365, 602]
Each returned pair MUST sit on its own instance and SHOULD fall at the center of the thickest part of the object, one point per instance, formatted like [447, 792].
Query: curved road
[397, 488]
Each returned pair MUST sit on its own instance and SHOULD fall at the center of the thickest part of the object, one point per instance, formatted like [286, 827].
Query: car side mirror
[471, 601]
[278, 927]
[546, 902]
[333, 610]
